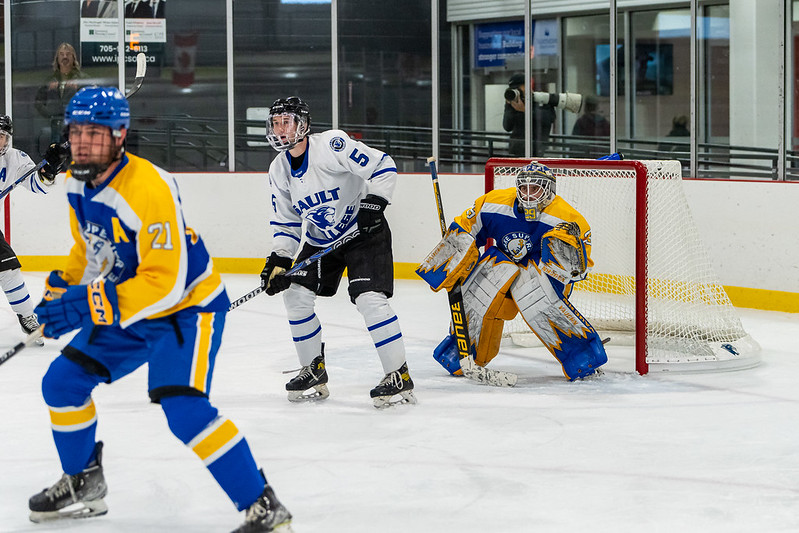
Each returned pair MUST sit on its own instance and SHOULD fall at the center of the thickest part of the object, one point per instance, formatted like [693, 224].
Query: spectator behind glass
[513, 119]
[591, 123]
[52, 97]
[679, 128]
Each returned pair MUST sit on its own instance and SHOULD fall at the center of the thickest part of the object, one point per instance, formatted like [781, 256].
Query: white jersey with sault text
[326, 190]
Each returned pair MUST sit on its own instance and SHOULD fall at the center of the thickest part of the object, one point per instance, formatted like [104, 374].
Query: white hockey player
[13, 165]
[542, 246]
[340, 188]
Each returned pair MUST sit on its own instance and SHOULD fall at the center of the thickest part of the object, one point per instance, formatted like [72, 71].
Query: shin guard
[218, 443]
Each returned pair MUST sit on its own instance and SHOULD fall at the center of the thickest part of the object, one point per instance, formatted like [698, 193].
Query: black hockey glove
[370, 214]
[272, 278]
[56, 160]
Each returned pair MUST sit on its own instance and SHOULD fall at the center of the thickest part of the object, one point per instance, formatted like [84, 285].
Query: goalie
[542, 246]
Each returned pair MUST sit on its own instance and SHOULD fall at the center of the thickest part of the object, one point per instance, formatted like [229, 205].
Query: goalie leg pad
[562, 329]
[484, 291]
[501, 310]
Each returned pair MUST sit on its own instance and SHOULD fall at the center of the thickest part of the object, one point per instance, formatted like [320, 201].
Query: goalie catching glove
[78, 305]
[273, 279]
[55, 161]
[563, 255]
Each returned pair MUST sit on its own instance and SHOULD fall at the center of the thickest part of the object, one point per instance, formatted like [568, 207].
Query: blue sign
[494, 42]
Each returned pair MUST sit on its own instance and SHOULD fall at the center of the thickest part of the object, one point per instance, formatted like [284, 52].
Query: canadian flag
[185, 53]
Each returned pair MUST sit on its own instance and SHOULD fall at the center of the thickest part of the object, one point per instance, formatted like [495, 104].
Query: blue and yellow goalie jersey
[495, 216]
[131, 230]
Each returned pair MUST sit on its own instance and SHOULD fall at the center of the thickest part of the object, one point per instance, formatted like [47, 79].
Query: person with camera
[513, 119]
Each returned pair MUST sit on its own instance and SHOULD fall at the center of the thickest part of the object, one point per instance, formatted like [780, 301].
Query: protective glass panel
[385, 76]
[280, 48]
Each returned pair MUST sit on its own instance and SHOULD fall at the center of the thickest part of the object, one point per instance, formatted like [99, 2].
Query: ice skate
[395, 383]
[78, 496]
[266, 514]
[595, 375]
[30, 324]
[313, 376]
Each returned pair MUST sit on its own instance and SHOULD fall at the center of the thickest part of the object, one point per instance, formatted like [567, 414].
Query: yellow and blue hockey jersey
[131, 230]
[495, 216]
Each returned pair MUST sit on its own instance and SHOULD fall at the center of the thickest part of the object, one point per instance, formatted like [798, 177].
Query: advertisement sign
[497, 41]
[145, 31]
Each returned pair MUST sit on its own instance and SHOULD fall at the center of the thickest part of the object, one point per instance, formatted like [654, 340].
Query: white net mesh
[690, 318]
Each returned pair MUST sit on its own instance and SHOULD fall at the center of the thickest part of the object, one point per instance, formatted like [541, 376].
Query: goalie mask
[92, 152]
[535, 189]
[288, 123]
[6, 131]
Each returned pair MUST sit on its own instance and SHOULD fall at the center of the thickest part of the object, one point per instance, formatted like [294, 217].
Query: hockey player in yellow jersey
[542, 245]
[140, 287]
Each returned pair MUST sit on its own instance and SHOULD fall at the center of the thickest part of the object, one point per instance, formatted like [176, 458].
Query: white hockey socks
[306, 330]
[17, 293]
[383, 326]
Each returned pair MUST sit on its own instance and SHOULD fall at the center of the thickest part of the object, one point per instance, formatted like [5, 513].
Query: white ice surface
[660, 453]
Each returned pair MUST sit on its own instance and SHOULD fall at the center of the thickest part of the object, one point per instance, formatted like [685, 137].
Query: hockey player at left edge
[14, 164]
[140, 288]
[341, 188]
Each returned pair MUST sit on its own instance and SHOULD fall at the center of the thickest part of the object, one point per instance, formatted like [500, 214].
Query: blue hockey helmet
[105, 106]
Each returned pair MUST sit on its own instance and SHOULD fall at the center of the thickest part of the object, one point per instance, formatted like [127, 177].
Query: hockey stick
[460, 323]
[29, 341]
[141, 70]
[296, 268]
[23, 178]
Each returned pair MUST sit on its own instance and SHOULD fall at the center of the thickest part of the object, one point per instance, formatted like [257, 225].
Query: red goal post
[653, 279]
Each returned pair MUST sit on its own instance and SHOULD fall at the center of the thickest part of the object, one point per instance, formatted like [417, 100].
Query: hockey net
[652, 281]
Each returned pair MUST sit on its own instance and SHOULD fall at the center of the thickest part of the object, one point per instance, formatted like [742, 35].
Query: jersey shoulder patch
[337, 143]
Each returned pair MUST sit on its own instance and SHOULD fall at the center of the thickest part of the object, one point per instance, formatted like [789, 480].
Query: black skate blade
[320, 392]
[384, 402]
[70, 512]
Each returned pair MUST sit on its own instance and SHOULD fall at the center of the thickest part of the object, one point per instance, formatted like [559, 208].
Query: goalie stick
[460, 323]
[296, 268]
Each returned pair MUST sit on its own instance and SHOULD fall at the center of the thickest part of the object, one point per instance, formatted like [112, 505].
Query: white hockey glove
[563, 255]
[450, 262]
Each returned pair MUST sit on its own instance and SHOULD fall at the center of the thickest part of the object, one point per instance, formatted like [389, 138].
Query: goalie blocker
[542, 247]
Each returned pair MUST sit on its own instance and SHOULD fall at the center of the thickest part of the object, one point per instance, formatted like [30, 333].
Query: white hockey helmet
[535, 189]
[293, 118]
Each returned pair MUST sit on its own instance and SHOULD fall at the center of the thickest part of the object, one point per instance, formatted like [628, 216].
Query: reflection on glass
[280, 49]
[586, 61]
